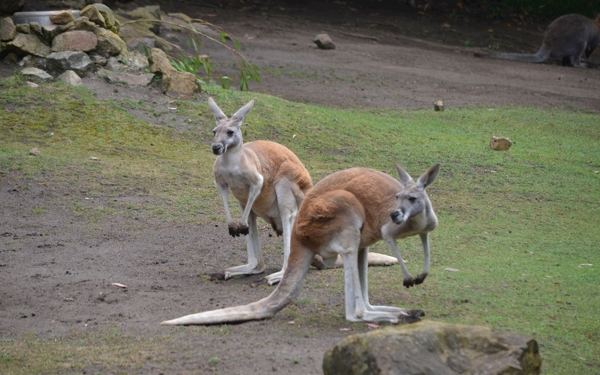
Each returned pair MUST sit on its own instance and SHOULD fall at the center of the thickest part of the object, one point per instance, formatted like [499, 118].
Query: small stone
[71, 78]
[36, 72]
[500, 143]
[62, 18]
[35, 152]
[323, 41]
[438, 106]
[33, 85]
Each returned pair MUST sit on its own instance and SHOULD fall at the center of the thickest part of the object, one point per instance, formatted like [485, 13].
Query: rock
[62, 18]
[83, 23]
[78, 61]
[159, 62]
[36, 73]
[109, 43]
[8, 30]
[500, 143]
[323, 41]
[71, 78]
[33, 85]
[136, 62]
[11, 6]
[35, 152]
[107, 14]
[151, 12]
[94, 15]
[434, 348]
[29, 44]
[438, 106]
[114, 65]
[174, 83]
[130, 79]
[50, 31]
[97, 59]
[77, 40]
[33, 61]
[24, 28]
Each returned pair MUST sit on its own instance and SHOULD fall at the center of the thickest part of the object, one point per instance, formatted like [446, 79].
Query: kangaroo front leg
[224, 191]
[242, 226]
[256, 263]
[408, 280]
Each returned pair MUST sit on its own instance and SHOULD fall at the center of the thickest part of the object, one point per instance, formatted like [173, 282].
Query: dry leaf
[372, 326]
[119, 285]
[451, 269]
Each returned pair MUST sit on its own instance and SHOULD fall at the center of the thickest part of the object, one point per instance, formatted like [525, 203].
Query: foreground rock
[433, 348]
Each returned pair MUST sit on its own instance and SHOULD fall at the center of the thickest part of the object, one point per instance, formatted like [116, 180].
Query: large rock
[77, 40]
[109, 43]
[8, 30]
[101, 15]
[433, 348]
[175, 84]
[29, 44]
[78, 61]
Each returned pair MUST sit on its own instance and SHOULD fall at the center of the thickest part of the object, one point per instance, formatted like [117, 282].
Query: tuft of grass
[518, 225]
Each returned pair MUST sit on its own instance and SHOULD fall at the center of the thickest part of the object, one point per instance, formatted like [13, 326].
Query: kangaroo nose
[216, 149]
[394, 215]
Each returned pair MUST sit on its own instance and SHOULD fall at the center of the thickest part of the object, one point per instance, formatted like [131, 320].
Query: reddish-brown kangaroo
[342, 215]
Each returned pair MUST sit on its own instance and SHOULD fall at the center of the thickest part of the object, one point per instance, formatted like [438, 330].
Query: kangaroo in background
[568, 37]
[343, 215]
[269, 181]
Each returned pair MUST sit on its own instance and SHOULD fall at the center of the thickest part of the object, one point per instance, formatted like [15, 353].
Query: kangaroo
[568, 37]
[269, 181]
[341, 216]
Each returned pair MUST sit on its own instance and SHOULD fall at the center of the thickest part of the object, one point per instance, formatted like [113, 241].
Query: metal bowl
[43, 18]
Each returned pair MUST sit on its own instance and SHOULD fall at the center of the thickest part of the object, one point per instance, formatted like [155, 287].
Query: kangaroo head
[227, 133]
[412, 199]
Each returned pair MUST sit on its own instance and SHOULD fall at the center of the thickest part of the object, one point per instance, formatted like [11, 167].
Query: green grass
[519, 225]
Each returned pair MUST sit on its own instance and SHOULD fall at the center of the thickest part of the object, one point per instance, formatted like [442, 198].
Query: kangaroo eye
[230, 133]
[412, 199]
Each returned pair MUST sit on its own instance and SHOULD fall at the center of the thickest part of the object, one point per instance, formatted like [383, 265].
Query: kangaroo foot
[216, 276]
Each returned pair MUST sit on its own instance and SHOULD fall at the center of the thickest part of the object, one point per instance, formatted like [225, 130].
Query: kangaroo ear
[216, 111]
[428, 177]
[242, 112]
[403, 176]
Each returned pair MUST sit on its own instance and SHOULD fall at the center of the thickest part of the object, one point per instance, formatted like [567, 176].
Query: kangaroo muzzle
[218, 148]
[398, 216]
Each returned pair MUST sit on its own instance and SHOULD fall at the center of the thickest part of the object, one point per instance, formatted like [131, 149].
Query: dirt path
[63, 282]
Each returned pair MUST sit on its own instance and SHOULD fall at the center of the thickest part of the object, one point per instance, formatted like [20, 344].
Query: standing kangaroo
[568, 37]
[269, 181]
[341, 216]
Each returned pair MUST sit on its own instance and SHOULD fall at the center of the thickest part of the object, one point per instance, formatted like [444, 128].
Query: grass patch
[521, 226]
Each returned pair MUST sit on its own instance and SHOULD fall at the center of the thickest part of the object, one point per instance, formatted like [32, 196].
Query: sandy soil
[56, 272]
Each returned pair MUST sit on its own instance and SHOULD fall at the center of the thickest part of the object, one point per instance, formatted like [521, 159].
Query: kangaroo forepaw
[408, 282]
[420, 278]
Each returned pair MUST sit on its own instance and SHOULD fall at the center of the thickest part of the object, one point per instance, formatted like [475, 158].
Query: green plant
[192, 63]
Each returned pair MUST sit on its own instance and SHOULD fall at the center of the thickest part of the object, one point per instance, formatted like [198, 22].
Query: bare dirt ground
[56, 271]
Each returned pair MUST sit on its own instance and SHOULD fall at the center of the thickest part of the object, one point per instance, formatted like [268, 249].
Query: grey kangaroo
[568, 37]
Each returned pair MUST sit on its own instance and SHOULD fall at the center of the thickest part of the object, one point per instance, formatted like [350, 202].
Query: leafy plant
[192, 63]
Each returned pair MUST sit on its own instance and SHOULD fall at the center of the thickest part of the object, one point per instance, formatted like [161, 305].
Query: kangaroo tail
[542, 55]
[287, 290]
